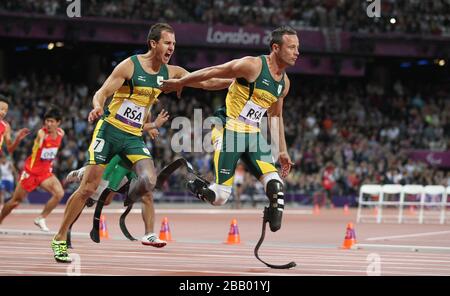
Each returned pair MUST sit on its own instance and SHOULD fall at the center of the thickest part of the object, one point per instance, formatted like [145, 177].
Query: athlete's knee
[86, 190]
[147, 182]
[147, 198]
[58, 193]
[222, 193]
[274, 191]
[273, 186]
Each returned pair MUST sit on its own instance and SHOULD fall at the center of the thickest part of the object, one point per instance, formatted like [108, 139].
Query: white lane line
[407, 235]
[412, 248]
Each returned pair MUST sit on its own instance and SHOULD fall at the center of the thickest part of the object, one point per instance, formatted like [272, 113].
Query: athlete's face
[3, 109]
[288, 50]
[51, 124]
[165, 46]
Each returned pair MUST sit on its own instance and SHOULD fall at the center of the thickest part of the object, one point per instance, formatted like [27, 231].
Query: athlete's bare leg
[18, 196]
[89, 183]
[145, 181]
[148, 212]
[54, 187]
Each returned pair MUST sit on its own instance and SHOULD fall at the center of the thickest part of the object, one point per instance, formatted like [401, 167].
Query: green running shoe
[60, 251]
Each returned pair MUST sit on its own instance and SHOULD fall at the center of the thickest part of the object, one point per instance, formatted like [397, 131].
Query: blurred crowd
[340, 133]
[411, 16]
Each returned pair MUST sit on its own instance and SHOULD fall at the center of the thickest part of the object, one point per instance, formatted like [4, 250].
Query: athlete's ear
[152, 44]
[275, 47]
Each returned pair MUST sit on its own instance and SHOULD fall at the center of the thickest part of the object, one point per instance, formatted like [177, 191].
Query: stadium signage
[433, 158]
[239, 37]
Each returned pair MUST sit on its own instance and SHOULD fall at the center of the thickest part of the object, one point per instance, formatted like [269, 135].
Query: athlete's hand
[171, 85]
[22, 133]
[163, 116]
[286, 164]
[154, 133]
[94, 114]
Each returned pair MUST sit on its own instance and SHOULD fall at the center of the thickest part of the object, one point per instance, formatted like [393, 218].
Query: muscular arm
[210, 84]
[39, 140]
[247, 67]
[10, 145]
[121, 73]
[38, 143]
[276, 110]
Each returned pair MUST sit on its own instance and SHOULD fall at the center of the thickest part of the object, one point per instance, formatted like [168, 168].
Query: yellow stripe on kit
[94, 136]
[266, 167]
[136, 158]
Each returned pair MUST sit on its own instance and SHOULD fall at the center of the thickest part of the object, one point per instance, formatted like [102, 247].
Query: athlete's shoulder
[251, 61]
[42, 132]
[176, 71]
[125, 68]
[248, 67]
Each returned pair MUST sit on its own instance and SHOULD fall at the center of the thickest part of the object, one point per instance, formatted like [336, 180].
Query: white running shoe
[40, 222]
[75, 176]
[152, 240]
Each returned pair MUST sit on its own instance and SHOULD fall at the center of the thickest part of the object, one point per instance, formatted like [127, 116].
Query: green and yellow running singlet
[131, 103]
[246, 103]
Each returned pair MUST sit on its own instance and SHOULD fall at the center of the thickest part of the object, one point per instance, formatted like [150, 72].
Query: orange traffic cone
[233, 234]
[350, 237]
[103, 229]
[316, 210]
[164, 234]
[346, 211]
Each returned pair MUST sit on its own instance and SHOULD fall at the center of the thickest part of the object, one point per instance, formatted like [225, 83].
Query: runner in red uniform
[5, 133]
[38, 169]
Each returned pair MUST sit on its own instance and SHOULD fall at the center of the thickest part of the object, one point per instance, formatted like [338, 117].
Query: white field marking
[196, 266]
[407, 235]
[172, 211]
[412, 248]
[221, 249]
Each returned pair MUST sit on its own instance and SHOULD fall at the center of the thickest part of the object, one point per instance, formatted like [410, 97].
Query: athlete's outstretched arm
[38, 141]
[247, 67]
[21, 134]
[276, 110]
[122, 72]
[176, 72]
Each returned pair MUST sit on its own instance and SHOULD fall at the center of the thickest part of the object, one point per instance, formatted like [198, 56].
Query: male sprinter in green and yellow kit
[134, 84]
[260, 86]
[117, 175]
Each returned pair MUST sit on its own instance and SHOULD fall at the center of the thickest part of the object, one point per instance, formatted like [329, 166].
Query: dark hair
[54, 113]
[4, 99]
[278, 33]
[155, 31]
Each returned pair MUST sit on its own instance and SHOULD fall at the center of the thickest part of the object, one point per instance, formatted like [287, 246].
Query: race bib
[252, 112]
[131, 114]
[49, 153]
